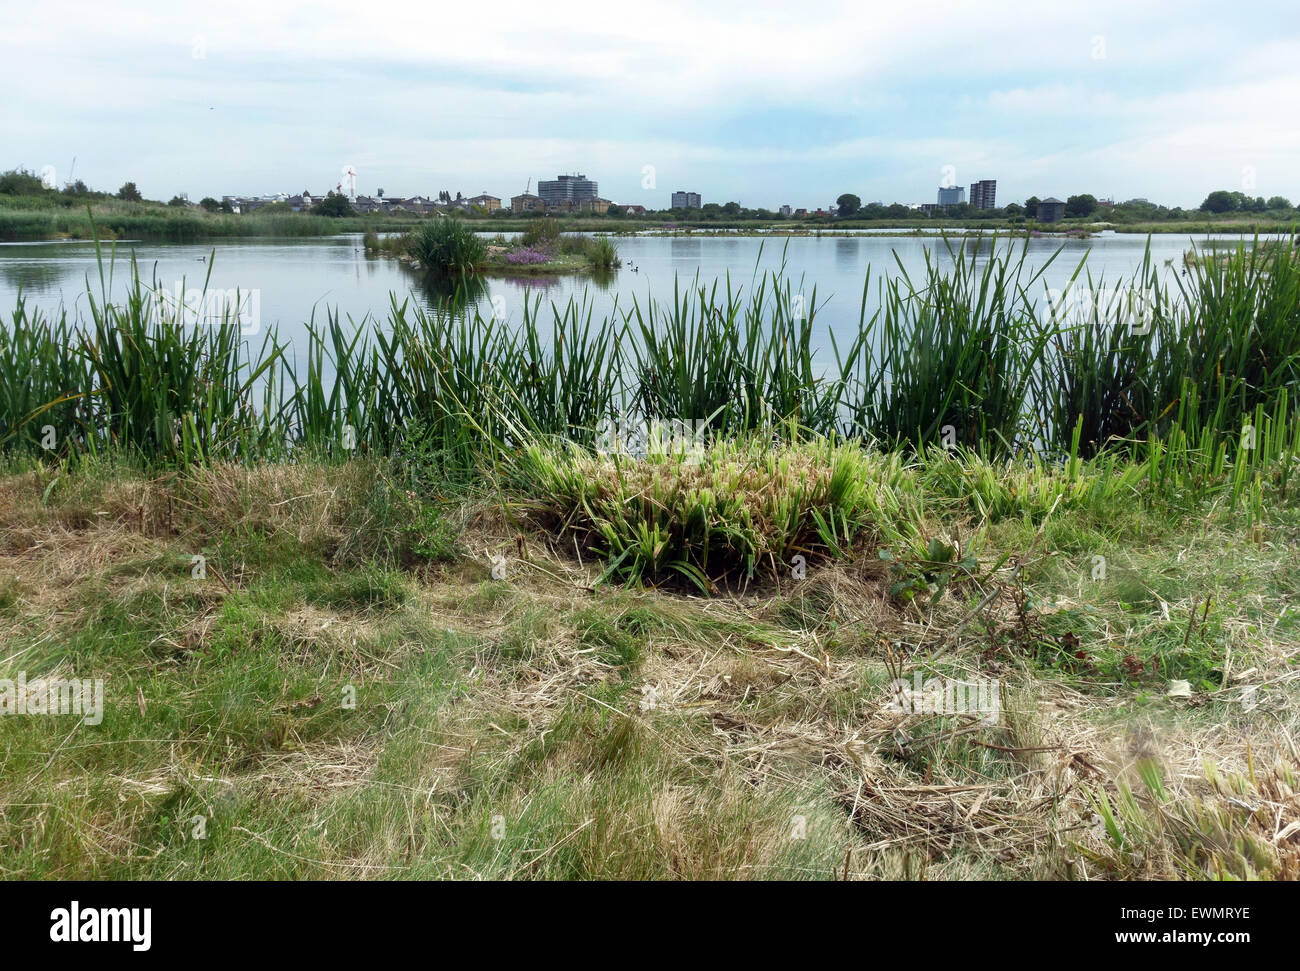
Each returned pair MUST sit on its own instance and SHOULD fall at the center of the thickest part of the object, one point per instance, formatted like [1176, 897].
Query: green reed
[966, 354]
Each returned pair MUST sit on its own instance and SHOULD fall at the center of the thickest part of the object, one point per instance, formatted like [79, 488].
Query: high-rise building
[566, 189]
[984, 194]
[686, 200]
[952, 195]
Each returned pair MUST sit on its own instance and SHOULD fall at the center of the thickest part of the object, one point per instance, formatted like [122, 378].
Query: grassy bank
[403, 601]
[383, 675]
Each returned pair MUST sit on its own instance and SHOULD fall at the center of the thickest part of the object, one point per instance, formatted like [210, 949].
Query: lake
[292, 278]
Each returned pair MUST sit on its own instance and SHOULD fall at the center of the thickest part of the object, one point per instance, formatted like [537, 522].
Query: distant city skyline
[755, 103]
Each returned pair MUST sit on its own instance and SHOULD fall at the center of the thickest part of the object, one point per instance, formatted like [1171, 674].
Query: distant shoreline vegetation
[31, 211]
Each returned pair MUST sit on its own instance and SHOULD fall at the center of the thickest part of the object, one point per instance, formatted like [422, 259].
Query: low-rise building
[527, 202]
[597, 206]
[485, 201]
[416, 204]
[1051, 210]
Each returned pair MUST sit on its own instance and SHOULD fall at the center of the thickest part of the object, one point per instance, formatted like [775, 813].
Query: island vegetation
[450, 247]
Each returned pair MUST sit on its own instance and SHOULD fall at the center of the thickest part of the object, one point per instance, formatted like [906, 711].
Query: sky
[762, 103]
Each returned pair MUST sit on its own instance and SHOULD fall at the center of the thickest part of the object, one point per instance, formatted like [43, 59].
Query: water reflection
[447, 291]
[846, 252]
[686, 248]
[39, 276]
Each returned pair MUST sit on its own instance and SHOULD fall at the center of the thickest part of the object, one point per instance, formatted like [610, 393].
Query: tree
[129, 193]
[1081, 205]
[334, 205]
[179, 200]
[848, 204]
[1221, 200]
[1031, 207]
[19, 182]
[1134, 209]
[210, 204]
[1279, 202]
[731, 208]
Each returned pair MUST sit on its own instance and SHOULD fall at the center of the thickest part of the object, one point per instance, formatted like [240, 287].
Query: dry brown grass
[751, 708]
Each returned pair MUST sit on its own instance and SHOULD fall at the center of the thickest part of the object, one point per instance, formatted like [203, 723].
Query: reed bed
[112, 219]
[970, 355]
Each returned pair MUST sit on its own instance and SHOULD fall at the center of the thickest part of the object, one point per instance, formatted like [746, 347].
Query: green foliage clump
[333, 205]
[542, 233]
[446, 245]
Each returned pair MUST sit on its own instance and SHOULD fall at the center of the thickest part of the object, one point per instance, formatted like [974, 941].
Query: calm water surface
[296, 278]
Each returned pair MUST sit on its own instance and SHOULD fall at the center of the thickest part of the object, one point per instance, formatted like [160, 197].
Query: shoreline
[157, 223]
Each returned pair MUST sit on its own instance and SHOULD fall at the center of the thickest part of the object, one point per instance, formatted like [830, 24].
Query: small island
[449, 246]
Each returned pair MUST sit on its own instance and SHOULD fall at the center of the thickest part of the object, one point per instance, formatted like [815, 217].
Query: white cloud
[466, 95]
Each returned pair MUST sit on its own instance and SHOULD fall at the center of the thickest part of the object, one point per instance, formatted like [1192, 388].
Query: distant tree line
[21, 183]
